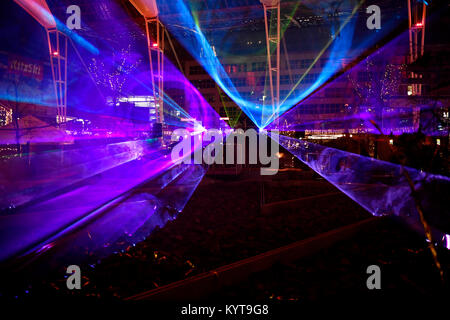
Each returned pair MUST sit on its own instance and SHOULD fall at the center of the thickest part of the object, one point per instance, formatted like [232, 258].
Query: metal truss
[273, 33]
[417, 16]
[57, 45]
[155, 45]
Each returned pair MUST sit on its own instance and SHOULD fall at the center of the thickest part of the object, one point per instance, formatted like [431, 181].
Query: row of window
[196, 70]
[230, 111]
[337, 93]
[242, 82]
[328, 108]
[294, 64]
[302, 64]
[210, 98]
[239, 82]
[367, 76]
[308, 78]
[284, 79]
[321, 108]
[259, 66]
[232, 68]
[204, 84]
[262, 66]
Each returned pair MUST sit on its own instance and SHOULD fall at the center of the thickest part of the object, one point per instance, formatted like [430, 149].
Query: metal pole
[278, 61]
[57, 57]
[269, 60]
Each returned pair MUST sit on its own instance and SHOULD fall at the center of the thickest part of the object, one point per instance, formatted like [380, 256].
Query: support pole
[417, 19]
[57, 45]
[156, 46]
[273, 40]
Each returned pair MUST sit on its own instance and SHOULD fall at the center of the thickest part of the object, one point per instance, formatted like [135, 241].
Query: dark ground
[406, 264]
[222, 223]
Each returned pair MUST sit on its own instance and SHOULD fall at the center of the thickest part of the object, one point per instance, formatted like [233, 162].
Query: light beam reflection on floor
[133, 220]
[378, 186]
